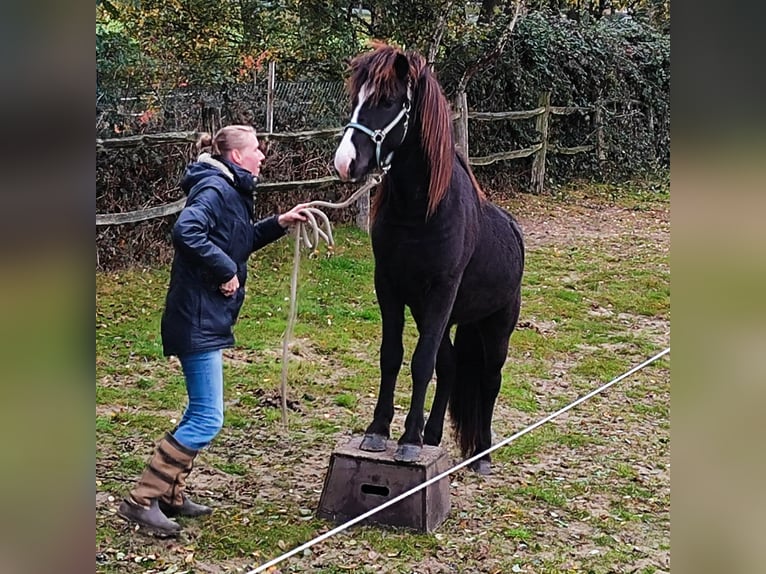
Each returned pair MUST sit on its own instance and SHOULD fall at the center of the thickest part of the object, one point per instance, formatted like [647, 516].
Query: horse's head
[396, 99]
[380, 86]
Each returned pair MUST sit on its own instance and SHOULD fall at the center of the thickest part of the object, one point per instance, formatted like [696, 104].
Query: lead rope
[319, 224]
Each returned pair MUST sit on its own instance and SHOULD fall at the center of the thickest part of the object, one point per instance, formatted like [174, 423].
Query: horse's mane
[429, 107]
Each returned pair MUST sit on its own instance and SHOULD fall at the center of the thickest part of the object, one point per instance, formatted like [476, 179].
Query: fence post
[538, 163]
[598, 124]
[461, 123]
[270, 98]
[363, 212]
[211, 119]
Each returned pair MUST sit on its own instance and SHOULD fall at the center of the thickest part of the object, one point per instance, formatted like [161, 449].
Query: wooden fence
[540, 150]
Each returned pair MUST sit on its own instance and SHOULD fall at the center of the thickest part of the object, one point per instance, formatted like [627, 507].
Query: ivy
[620, 64]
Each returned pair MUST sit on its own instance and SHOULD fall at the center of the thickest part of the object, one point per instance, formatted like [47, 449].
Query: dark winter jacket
[213, 238]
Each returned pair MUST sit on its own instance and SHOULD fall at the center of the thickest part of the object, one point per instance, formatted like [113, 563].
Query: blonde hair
[226, 139]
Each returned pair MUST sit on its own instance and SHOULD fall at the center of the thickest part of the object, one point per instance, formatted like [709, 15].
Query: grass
[592, 308]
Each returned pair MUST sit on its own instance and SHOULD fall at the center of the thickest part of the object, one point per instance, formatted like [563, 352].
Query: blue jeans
[203, 417]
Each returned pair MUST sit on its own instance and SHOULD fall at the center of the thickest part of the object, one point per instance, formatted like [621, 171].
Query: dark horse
[441, 249]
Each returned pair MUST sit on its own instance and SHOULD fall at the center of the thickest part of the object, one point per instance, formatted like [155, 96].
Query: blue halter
[378, 136]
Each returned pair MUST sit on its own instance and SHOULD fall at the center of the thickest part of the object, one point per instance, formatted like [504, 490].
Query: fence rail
[192, 136]
[539, 150]
[178, 205]
[504, 155]
[494, 116]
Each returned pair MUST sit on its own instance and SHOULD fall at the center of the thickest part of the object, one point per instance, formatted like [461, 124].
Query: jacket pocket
[217, 313]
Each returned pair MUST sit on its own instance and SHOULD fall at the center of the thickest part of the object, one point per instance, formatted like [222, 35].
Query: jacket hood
[215, 166]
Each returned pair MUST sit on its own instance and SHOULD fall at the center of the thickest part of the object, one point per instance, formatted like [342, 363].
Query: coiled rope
[317, 228]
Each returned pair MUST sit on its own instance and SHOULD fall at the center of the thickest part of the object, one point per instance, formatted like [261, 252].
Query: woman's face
[249, 156]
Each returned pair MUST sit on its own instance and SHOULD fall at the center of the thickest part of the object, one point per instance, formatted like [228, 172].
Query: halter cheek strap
[378, 136]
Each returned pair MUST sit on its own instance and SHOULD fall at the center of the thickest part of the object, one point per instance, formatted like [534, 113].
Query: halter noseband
[378, 136]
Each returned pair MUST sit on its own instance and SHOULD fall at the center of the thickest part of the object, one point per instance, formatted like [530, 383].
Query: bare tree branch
[494, 54]
[436, 38]
[368, 26]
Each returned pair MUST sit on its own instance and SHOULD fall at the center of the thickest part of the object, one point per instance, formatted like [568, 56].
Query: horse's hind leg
[496, 333]
[445, 379]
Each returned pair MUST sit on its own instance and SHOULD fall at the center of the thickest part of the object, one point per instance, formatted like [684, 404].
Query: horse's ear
[402, 67]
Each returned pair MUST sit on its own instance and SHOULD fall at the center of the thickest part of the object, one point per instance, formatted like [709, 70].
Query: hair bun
[205, 143]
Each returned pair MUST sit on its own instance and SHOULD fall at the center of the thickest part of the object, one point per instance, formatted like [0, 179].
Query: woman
[213, 238]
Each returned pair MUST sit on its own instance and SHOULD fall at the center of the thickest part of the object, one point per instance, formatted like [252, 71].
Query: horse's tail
[465, 399]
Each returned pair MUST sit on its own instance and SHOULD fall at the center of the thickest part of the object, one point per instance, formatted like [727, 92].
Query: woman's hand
[293, 216]
[230, 287]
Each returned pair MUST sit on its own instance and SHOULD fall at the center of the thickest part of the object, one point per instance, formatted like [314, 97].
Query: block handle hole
[375, 489]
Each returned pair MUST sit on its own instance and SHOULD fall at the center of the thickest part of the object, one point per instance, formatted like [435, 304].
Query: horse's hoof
[431, 441]
[481, 466]
[407, 453]
[373, 443]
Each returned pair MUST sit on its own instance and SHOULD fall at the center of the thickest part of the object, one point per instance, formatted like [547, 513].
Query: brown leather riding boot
[157, 482]
[176, 503]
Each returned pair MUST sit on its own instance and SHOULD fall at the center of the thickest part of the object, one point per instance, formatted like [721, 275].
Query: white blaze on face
[346, 152]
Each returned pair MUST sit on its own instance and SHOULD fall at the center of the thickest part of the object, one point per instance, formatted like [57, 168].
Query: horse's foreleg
[432, 323]
[423, 362]
[445, 379]
[391, 354]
